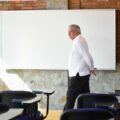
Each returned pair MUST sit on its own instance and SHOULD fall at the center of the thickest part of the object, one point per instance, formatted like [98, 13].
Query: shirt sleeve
[84, 50]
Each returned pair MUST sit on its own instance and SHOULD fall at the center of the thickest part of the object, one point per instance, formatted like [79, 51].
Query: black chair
[91, 100]
[26, 100]
[14, 98]
[3, 108]
[87, 114]
[97, 100]
[92, 106]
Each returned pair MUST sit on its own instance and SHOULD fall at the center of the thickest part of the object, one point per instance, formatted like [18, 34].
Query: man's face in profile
[72, 33]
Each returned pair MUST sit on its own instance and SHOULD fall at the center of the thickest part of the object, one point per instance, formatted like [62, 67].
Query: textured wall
[23, 4]
[57, 4]
[104, 81]
[45, 79]
[88, 4]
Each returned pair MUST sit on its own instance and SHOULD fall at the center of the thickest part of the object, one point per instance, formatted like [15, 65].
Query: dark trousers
[76, 86]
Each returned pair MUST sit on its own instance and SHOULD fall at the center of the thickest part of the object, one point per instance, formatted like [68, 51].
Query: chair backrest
[91, 100]
[3, 108]
[13, 97]
[87, 114]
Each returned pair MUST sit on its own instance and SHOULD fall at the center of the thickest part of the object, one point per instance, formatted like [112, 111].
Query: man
[80, 66]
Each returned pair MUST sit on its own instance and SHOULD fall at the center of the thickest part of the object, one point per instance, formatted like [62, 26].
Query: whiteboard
[38, 39]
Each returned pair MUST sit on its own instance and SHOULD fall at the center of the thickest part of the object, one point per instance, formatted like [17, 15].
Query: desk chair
[26, 100]
[3, 108]
[87, 114]
[91, 100]
[97, 100]
[14, 98]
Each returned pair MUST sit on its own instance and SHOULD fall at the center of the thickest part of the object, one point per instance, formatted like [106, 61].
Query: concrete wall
[104, 81]
[57, 4]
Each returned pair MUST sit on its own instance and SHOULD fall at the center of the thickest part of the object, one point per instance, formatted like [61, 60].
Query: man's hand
[93, 71]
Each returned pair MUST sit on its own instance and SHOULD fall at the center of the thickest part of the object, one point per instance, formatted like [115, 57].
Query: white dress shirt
[80, 60]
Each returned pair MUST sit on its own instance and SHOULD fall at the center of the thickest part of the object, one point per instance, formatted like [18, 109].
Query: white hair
[75, 27]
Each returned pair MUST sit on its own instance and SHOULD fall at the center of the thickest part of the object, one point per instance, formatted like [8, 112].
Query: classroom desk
[31, 107]
[28, 107]
[31, 101]
[11, 113]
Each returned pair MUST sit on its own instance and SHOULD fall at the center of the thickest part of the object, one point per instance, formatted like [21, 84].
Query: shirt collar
[76, 37]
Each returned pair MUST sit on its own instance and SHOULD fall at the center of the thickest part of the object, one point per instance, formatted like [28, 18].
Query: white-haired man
[80, 66]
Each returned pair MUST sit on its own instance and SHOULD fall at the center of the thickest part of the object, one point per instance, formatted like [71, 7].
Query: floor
[53, 114]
